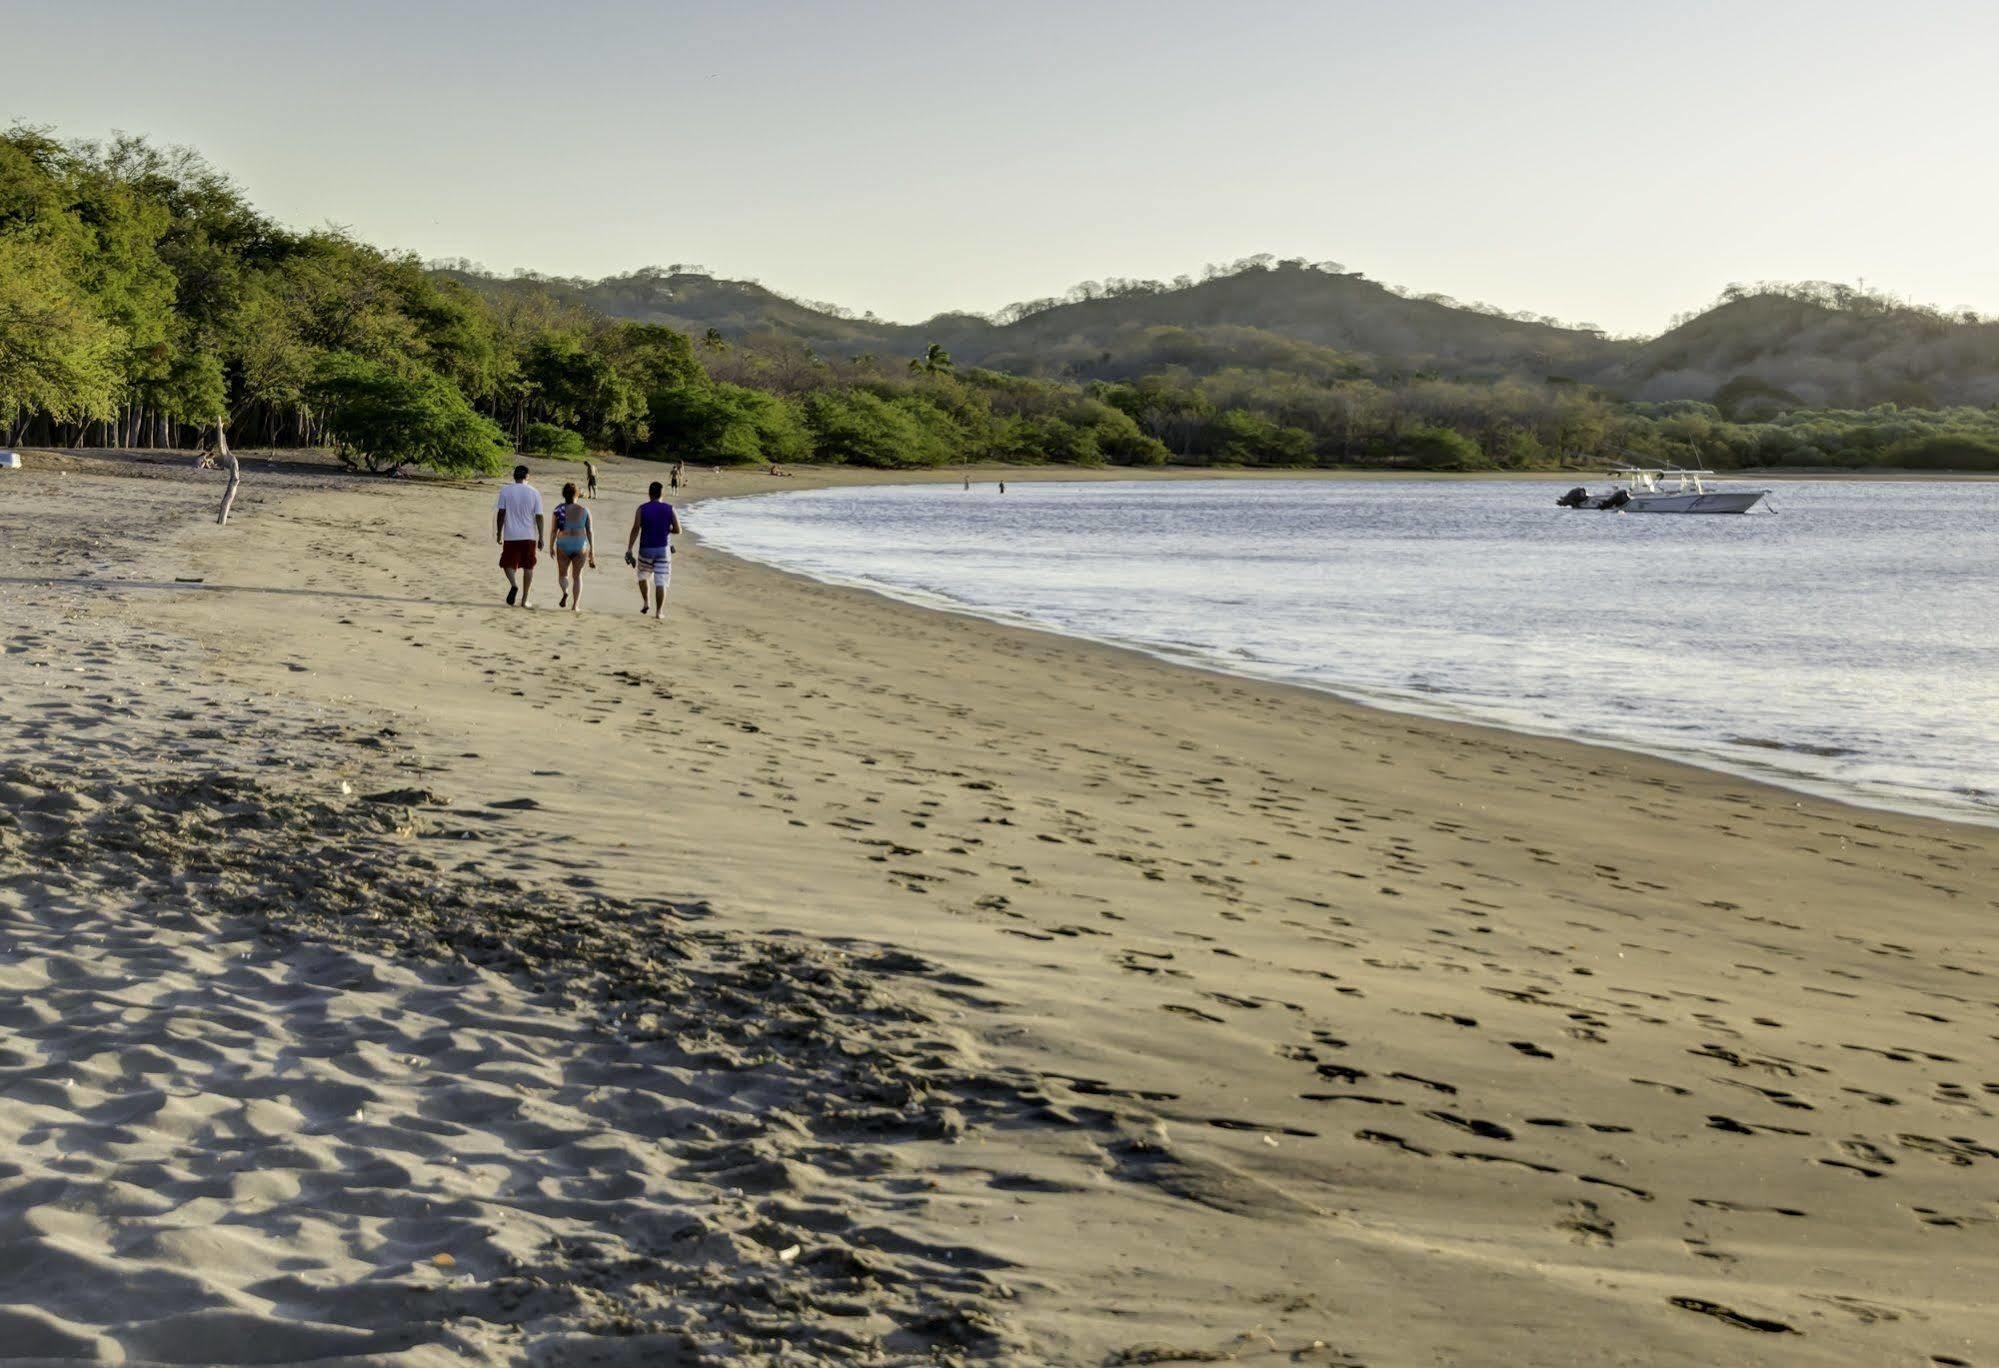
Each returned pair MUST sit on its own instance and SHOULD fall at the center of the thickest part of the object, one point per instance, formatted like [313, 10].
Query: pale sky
[1600, 160]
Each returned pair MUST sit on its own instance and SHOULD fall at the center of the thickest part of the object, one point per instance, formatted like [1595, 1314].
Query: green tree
[934, 361]
[729, 423]
[384, 421]
[859, 428]
[57, 356]
[575, 384]
[1946, 451]
[546, 439]
[1515, 447]
[1441, 448]
[1249, 439]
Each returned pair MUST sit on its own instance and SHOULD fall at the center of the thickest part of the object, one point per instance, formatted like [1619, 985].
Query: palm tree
[714, 341]
[934, 361]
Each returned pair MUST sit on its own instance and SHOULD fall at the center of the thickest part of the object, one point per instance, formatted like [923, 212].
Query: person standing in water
[517, 527]
[573, 542]
[652, 524]
[590, 477]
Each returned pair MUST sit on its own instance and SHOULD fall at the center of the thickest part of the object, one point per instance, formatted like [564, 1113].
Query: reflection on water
[1848, 644]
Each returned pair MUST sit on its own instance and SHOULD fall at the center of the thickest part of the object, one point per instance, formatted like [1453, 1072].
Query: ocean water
[1848, 645]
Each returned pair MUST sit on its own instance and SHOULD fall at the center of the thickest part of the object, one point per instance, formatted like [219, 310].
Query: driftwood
[205, 457]
[235, 471]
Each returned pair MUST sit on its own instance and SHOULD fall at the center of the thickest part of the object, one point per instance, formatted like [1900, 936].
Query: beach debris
[406, 797]
[1167, 1353]
[1730, 1316]
[788, 1253]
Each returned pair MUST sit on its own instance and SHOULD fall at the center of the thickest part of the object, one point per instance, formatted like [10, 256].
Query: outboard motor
[1573, 499]
[1617, 500]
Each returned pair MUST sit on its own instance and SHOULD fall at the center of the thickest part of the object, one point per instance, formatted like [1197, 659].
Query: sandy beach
[396, 978]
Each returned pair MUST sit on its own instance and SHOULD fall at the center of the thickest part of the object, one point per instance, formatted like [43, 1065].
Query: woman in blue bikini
[574, 543]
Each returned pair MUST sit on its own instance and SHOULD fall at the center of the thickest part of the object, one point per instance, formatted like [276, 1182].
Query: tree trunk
[229, 460]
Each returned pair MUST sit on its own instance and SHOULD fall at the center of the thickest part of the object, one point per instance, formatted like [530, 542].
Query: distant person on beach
[1002, 485]
[573, 542]
[654, 522]
[590, 477]
[678, 475]
[517, 527]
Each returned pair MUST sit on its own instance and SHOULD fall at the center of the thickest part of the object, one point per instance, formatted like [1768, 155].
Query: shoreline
[1773, 777]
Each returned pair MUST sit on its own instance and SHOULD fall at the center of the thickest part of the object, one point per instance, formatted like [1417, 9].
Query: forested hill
[690, 300]
[1776, 348]
[1254, 313]
[1320, 306]
[1759, 351]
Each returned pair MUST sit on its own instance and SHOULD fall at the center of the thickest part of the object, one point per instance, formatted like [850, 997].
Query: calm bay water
[1847, 645]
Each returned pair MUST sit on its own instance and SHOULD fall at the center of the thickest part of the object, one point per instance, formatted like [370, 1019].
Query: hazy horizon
[1615, 165]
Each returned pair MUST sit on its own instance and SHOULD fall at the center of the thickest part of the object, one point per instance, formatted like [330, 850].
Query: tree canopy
[385, 420]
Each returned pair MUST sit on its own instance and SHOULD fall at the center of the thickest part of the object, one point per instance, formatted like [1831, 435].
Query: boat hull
[1728, 501]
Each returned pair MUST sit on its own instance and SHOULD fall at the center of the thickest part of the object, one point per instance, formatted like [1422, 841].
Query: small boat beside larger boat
[1648, 489]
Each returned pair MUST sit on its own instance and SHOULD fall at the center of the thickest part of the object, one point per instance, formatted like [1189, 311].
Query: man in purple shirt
[651, 526]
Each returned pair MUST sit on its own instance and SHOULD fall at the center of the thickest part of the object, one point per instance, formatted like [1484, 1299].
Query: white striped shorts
[657, 562]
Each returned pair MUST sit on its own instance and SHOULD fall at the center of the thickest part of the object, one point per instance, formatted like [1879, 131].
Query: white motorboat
[1668, 489]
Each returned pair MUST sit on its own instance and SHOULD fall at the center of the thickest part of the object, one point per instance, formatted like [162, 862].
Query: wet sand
[1211, 1016]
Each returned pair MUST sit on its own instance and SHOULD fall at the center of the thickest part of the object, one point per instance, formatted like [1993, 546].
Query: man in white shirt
[517, 527]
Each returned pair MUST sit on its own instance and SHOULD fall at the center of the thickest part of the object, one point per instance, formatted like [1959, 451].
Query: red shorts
[517, 555]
